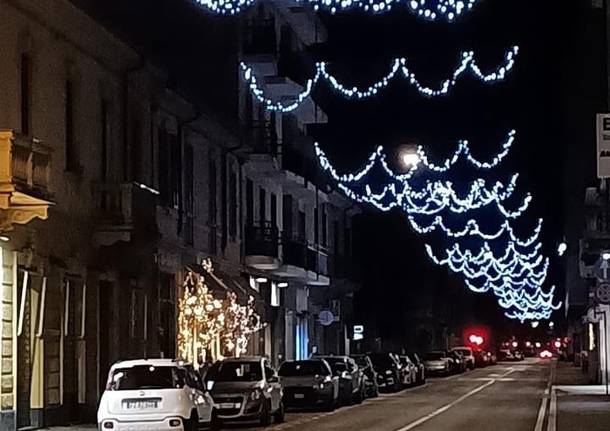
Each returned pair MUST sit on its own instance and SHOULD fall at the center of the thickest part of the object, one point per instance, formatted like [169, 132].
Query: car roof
[158, 362]
[462, 348]
[244, 359]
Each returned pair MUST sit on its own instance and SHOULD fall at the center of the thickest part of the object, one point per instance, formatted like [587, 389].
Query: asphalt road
[505, 397]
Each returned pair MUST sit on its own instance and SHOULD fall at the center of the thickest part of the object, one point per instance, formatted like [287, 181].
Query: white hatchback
[155, 395]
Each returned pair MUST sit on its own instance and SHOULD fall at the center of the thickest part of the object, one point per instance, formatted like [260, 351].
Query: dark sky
[550, 99]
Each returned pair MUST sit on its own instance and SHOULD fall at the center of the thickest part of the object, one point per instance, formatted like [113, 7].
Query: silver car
[245, 388]
[309, 383]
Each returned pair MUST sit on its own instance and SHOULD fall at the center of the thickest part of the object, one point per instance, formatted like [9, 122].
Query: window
[273, 211]
[234, 371]
[26, 92]
[302, 226]
[167, 315]
[324, 227]
[233, 204]
[146, 377]
[104, 139]
[164, 166]
[249, 202]
[316, 225]
[262, 206]
[71, 157]
[188, 191]
[287, 215]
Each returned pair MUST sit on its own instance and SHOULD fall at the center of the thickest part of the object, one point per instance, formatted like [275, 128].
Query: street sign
[602, 269]
[326, 318]
[603, 145]
[358, 332]
[602, 293]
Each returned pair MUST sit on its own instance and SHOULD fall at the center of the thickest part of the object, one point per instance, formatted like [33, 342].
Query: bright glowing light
[261, 280]
[515, 344]
[561, 249]
[535, 324]
[551, 325]
[398, 68]
[476, 339]
[282, 284]
[606, 255]
[4, 238]
[557, 344]
[538, 344]
[528, 344]
[545, 354]
[430, 10]
[409, 159]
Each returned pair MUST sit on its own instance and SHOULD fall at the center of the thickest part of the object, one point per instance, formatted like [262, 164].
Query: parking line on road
[552, 425]
[545, 399]
[445, 407]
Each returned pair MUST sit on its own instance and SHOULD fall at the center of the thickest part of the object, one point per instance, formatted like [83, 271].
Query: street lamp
[409, 156]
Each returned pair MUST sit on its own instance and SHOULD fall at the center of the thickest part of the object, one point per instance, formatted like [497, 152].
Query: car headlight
[255, 395]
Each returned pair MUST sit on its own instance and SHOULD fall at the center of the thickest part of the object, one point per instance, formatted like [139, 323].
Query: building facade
[114, 184]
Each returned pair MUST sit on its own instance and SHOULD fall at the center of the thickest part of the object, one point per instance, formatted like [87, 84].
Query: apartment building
[114, 183]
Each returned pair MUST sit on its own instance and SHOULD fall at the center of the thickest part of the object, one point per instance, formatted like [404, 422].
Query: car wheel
[279, 414]
[192, 423]
[265, 415]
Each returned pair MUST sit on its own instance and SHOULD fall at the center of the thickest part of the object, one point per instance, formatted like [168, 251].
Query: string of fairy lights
[516, 276]
[398, 68]
[431, 10]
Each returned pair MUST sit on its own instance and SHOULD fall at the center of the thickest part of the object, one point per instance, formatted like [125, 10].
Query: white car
[154, 394]
[468, 355]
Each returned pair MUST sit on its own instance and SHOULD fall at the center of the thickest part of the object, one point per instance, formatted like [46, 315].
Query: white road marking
[552, 425]
[451, 404]
[545, 400]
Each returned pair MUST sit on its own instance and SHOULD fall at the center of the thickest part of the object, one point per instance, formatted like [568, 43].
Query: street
[505, 397]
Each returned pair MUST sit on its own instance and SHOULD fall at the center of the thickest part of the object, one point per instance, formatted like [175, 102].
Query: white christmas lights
[431, 10]
[516, 276]
[399, 67]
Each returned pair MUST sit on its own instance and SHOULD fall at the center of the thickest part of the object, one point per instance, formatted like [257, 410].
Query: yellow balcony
[24, 180]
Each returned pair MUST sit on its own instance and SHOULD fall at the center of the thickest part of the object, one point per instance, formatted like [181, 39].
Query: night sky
[550, 99]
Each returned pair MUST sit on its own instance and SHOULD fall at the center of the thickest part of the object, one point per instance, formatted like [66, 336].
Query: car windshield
[382, 361]
[235, 372]
[434, 356]
[302, 368]
[146, 377]
[463, 352]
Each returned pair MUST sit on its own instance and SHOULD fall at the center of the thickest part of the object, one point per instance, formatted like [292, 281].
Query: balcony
[24, 179]
[122, 210]
[262, 247]
[303, 262]
[262, 142]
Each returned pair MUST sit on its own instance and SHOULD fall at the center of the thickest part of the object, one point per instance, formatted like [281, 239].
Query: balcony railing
[25, 163]
[120, 209]
[264, 137]
[295, 252]
[317, 260]
[262, 240]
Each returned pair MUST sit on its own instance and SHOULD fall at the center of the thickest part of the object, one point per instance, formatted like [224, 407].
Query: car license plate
[229, 405]
[299, 396]
[140, 404]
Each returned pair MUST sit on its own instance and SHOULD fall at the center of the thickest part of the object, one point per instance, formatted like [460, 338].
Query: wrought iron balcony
[24, 179]
[262, 244]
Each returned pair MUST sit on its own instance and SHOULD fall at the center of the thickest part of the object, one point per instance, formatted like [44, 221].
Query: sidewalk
[576, 405]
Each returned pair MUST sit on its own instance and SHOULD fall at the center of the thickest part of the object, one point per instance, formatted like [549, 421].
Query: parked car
[481, 359]
[459, 363]
[369, 373]
[510, 355]
[309, 383]
[388, 371]
[437, 363]
[468, 355]
[409, 370]
[245, 388]
[351, 378]
[493, 358]
[421, 369]
[154, 393]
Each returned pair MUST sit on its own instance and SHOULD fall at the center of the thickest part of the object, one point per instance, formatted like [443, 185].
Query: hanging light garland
[431, 10]
[516, 276]
[398, 68]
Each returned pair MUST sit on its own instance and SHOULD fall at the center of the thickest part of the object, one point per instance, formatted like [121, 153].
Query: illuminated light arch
[398, 68]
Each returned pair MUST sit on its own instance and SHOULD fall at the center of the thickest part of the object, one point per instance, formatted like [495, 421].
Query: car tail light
[108, 425]
[174, 422]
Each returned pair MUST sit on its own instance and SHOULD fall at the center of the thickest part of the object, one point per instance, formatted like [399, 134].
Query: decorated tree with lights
[240, 322]
[200, 317]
